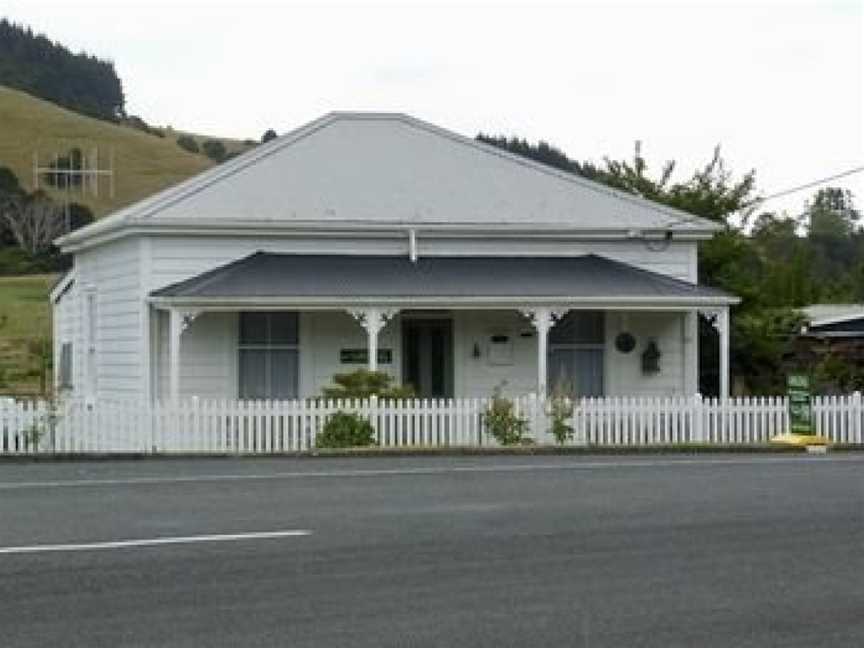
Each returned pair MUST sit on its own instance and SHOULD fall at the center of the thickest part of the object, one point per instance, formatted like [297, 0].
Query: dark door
[427, 356]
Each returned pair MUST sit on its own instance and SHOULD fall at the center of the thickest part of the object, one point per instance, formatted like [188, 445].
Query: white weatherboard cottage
[366, 239]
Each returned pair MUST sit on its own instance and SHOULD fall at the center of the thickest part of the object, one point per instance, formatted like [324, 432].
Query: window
[92, 325]
[64, 378]
[269, 355]
[576, 354]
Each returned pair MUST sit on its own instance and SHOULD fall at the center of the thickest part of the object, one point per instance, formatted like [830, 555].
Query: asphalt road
[545, 551]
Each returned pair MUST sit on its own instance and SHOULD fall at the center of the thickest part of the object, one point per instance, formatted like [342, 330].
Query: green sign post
[798, 391]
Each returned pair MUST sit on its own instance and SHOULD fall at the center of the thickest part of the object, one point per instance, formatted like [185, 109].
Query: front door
[427, 356]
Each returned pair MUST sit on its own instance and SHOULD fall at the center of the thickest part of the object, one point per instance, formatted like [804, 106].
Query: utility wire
[808, 185]
[778, 194]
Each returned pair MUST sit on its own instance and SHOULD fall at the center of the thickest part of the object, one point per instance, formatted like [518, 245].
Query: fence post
[697, 426]
[855, 415]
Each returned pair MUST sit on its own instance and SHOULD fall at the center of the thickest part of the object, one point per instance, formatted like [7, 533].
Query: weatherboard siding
[177, 258]
[112, 271]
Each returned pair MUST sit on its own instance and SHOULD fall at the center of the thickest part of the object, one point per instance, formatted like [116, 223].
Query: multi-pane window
[64, 378]
[576, 354]
[269, 355]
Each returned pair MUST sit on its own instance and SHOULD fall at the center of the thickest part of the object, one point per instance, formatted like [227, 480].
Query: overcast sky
[781, 88]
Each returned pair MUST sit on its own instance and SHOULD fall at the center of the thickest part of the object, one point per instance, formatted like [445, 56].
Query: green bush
[214, 149]
[188, 143]
[560, 411]
[343, 430]
[363, 383]
[15, 261]
[502, 421]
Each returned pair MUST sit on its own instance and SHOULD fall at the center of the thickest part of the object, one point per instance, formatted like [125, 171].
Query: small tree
[188, 143]
[34, 221]
[214, 149]
[268, 135]
[363, 383]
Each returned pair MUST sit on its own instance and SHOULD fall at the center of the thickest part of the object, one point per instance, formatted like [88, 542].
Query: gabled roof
[270, 276]
[386, 170]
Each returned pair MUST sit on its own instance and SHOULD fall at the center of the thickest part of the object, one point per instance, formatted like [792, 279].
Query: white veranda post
[723, 329]
[373, 319]
[178, 321]
[543, 319]
[720, 320]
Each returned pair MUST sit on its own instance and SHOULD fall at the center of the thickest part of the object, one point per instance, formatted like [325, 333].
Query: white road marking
[436, 470]
[151, 542]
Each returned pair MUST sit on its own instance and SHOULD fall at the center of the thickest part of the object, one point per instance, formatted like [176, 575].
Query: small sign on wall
[361, 356]
[500, 349]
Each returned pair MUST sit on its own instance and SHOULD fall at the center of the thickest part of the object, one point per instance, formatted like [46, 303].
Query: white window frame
[91, 346]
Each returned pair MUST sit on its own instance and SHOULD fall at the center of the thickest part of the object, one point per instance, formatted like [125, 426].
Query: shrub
[560, 411]
[188, 143]
[363, 384]
[268, 135]
[502, 421]
[214, 149]
[344, 430]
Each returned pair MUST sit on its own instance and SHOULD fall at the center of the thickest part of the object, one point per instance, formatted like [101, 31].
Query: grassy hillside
[143, 163]
[25, 324]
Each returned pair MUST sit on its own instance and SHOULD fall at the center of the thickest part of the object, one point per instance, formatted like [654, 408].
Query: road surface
[473, 551]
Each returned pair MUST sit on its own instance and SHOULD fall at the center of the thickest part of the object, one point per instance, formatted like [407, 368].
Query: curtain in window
[269, 355]
[576, 346]
[576, 372]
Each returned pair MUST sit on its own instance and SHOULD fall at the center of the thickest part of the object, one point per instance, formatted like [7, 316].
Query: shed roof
[267, 275]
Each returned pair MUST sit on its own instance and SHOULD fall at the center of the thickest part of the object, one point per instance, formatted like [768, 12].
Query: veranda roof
[268, 277]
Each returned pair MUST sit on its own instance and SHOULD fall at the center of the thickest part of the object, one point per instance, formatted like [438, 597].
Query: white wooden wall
[113, 272]
[124, 272]
[176, 258]
[66, 324]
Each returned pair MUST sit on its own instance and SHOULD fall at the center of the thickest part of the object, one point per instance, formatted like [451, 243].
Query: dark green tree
[214, 149]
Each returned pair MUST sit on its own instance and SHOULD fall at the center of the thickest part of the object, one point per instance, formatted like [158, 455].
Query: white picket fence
[273, 427]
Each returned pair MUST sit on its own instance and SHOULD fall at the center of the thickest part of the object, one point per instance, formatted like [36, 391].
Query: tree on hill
[214, 149]
[46, 69]
[268, 135]
[188, 143]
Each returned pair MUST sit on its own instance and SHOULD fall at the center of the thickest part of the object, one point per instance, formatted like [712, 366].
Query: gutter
[357, 229]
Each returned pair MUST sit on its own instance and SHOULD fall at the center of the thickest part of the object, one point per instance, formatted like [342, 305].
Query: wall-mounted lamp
[651, 358]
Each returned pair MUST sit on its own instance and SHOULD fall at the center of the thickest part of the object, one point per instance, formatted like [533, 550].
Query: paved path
[497, 551]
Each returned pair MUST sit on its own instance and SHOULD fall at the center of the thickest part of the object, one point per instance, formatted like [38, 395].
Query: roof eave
[244, 227]
[455, 302]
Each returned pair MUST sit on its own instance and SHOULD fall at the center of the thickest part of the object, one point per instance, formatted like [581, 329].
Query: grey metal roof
[269, 275]
[391, 169]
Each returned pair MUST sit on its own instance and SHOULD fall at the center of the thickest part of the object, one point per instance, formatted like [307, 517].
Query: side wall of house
[66, 319]
[110, 275]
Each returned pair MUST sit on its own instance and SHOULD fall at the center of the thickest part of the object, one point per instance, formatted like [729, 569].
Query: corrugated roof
[269, 275]
[392, 169]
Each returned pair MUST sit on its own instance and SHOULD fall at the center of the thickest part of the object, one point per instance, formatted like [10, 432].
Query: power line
[808, 185]
[778, 194]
